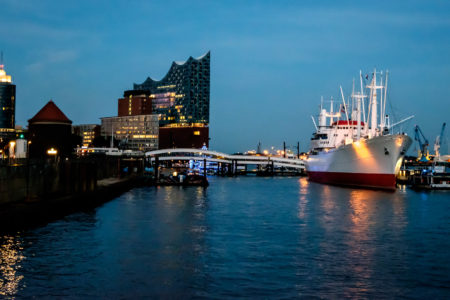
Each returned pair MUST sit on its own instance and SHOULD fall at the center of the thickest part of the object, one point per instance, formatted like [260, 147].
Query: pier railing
[230, 162]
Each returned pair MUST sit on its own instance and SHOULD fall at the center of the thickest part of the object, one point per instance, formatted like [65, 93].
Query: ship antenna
[385, 94]
[343, 100]
[362, 95]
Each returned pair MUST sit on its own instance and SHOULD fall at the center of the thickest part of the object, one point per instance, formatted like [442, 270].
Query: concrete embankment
[30, 213]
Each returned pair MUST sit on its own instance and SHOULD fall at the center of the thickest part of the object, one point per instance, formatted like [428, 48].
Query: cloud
[24, 30]
[53, 57]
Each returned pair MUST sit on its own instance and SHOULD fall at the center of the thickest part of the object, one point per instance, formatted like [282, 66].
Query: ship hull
[371, 163]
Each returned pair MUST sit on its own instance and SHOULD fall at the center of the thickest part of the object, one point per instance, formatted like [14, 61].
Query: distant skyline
[271, 61]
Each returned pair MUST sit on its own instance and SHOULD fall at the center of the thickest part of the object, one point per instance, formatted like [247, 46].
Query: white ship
[347, 150]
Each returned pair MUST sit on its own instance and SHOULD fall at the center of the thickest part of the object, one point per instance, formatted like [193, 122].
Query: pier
[37, 191]
[228, 164]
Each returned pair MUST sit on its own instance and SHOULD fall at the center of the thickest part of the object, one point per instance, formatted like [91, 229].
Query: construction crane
[423, 144]
[437, 143]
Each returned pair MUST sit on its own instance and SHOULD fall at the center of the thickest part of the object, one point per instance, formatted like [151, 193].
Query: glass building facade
[181, 98]
[138, 132]
[7, 107]
[7, 101]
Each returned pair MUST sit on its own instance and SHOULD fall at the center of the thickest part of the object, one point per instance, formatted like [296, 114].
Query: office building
[139, 132]
[87, 132]
[7, 106]
[135, 102]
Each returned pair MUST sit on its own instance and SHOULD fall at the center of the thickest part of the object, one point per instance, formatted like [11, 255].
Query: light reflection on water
[244, 236]
[302, 204]
[10, 258]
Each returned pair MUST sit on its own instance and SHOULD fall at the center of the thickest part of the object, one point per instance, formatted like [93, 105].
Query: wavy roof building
[181, 98]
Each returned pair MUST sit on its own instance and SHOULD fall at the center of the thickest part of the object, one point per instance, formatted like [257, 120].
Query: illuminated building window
[196, 132]
[185, 89]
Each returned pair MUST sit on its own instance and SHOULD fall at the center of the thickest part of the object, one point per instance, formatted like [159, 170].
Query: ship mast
[363, 104]
[331, 111]
[385, 99]
[359, 104]
[374, 113]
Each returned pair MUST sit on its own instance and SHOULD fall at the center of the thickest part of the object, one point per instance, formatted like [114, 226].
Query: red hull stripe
[384, 181]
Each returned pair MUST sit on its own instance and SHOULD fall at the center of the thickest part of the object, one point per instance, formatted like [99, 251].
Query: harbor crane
[437, 143]
[423, 144]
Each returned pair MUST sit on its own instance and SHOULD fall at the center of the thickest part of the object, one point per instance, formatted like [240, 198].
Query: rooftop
[50, 113]
[3, 76]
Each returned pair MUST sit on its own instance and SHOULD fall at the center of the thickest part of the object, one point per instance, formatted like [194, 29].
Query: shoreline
[34, 213]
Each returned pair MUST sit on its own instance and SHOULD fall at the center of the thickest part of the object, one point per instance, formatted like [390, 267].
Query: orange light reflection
[10, 258]
[304, 183]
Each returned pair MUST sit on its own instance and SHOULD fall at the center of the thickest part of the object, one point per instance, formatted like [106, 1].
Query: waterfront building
[50, 133]
[138, 132]
[183, 137]
[135, 102]
[87, 133]
[181, 99]
[7, 106]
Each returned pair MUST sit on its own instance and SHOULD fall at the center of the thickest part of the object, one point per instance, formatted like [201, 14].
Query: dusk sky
[271, 61]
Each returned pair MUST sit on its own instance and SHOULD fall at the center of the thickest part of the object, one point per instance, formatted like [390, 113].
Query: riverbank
[31, 213]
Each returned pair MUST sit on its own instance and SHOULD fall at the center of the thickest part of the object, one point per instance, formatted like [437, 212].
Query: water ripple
[239, 238]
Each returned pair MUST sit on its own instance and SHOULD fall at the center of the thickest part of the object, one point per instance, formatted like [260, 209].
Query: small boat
[183, 180]
[436, 177]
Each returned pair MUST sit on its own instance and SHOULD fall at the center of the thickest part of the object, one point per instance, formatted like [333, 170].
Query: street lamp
[12, 144]
[52, 151]
[28, 149]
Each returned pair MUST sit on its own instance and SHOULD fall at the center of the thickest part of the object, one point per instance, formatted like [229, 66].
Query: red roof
[50, 113]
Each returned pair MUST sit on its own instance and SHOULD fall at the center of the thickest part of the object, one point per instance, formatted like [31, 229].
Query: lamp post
[28, 169]
[12, 145]
[28, 149]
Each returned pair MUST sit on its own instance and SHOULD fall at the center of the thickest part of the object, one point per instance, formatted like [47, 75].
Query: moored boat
[353, 152]
[435, 177]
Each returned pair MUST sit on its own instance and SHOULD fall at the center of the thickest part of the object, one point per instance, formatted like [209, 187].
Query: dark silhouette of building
[135, 102]
[181, 99]
[7, 106]
[50, 133]
[182, 137]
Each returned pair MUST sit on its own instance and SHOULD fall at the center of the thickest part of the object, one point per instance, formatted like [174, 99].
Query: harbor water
[240, 237]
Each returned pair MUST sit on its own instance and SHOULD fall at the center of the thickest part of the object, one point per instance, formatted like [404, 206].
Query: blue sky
[271, 61]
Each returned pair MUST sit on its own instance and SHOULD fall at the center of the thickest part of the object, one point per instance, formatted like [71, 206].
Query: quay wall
[37, 180]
